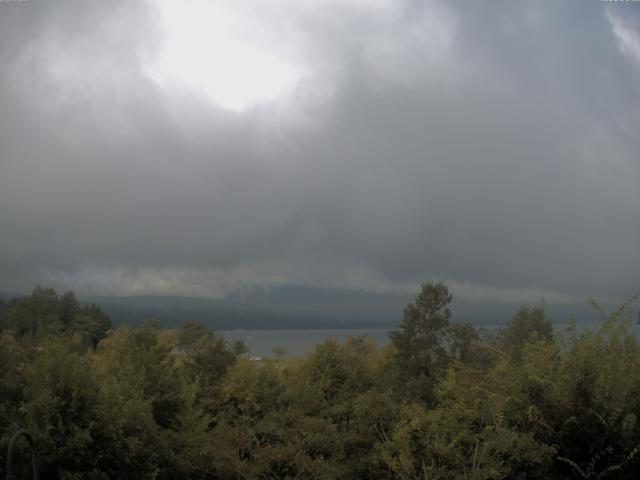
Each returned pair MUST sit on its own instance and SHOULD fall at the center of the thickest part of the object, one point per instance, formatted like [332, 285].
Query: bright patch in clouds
[209, 46]
[628, 39]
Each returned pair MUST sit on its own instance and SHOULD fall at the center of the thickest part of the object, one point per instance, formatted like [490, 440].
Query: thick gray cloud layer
[492, 145]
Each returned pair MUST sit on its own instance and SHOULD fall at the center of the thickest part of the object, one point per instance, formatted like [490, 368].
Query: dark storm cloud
[493, 147]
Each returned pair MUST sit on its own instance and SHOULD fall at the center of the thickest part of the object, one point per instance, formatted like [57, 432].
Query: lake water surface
[299, 342]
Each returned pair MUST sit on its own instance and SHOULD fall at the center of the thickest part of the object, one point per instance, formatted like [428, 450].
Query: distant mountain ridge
[277, 308]
[301, 308]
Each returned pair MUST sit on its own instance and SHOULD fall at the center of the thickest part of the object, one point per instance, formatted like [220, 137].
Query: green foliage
[205, 354]
[44, 313]
[527, 325]
[443, 400]
[60, 406]
[420, 341]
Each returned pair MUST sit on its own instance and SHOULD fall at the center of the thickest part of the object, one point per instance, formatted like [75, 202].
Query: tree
[191, 333]
[141, 357]
[68, 308]
[471, 347]
[420, 340]
[205, 354]
[528, 325]
[92, 323]
[60, 409]
[34, 316]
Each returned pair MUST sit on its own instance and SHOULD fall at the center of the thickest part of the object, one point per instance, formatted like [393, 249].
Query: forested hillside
[444, 400]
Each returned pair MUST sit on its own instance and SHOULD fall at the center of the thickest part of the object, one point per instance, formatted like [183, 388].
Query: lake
[300, 342]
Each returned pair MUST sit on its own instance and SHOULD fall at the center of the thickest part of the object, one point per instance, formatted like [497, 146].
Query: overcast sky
[198, 148]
